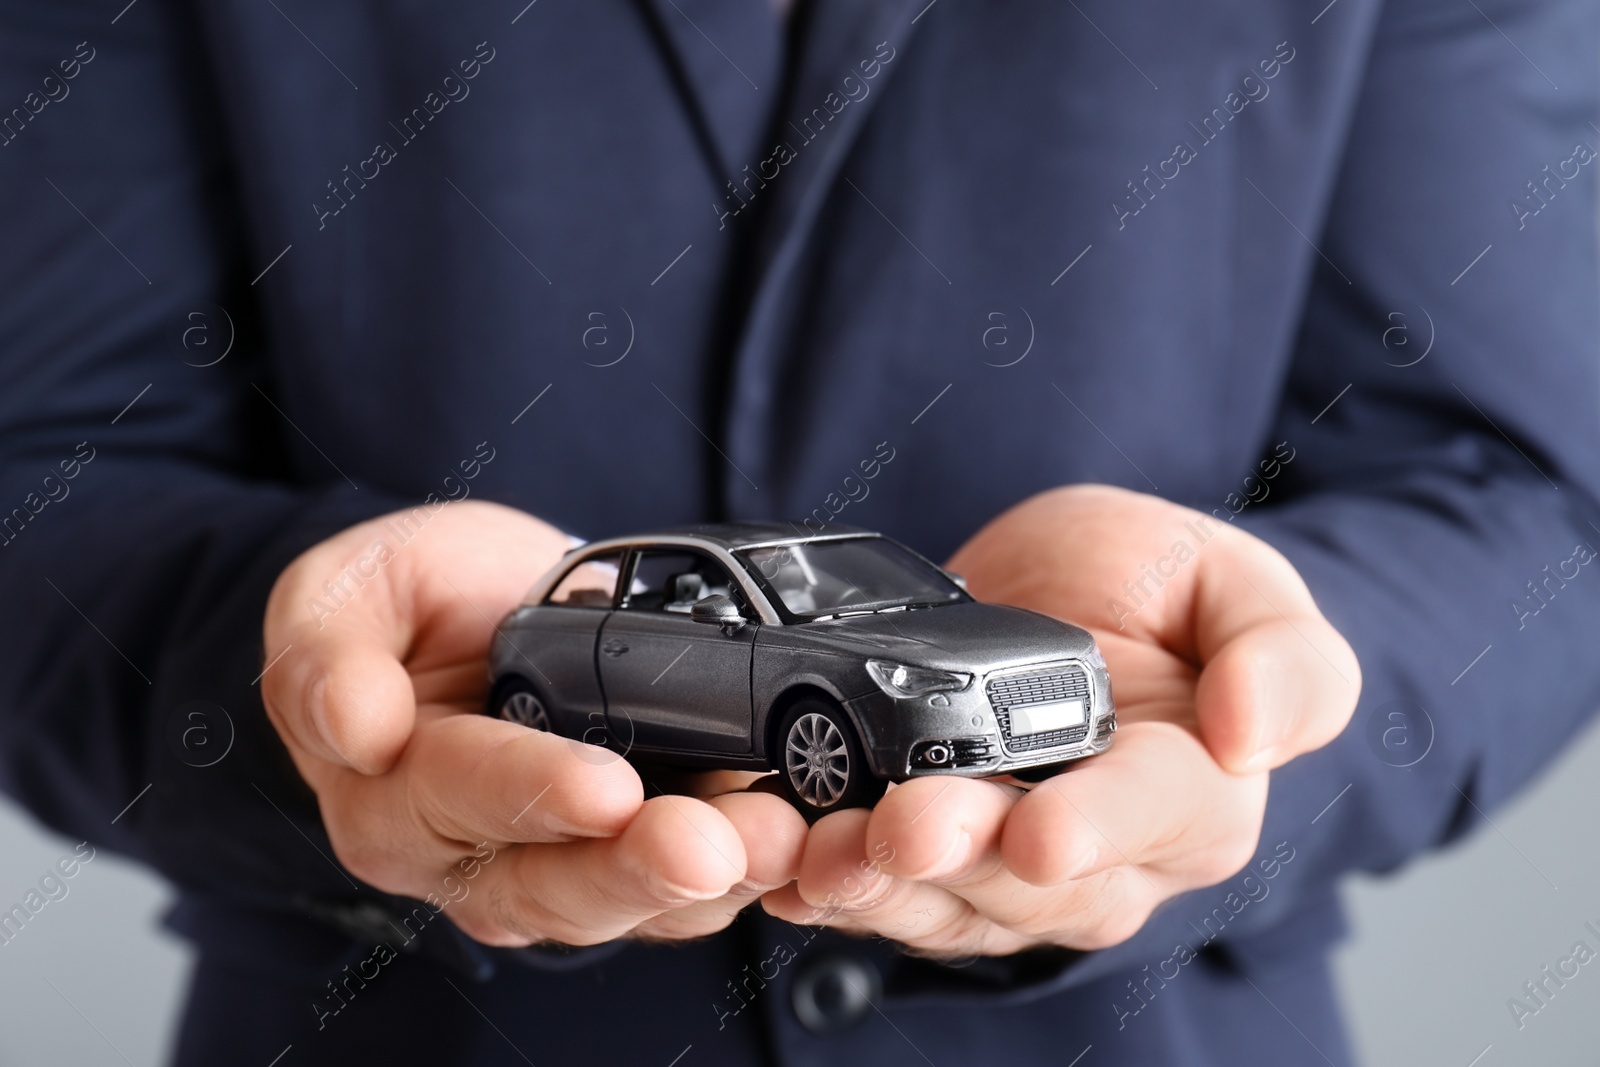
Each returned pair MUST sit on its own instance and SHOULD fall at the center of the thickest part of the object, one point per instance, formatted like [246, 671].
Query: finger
[350, 611]
[1087, 854]
[473, 777]
[342, 695]
[835, 873]
[773, 832]
[941, 829]
[952, 838]
[467, 780]
[1155, 802]
[1279, 680]
[774, 836]
[933, 923]
[675, 852]
[842, 886]
[1275, 691]
[836, 880]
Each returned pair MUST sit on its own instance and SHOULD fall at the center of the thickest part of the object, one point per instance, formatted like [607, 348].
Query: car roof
[735, 535]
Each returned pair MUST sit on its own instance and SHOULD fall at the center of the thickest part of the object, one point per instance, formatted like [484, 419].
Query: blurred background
[1438, 950]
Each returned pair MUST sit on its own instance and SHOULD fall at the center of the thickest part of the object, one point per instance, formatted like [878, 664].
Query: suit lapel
[728, 55]
[819, 119]
[817, 128]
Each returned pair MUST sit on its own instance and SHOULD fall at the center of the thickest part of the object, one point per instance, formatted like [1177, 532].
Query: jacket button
[834, 992]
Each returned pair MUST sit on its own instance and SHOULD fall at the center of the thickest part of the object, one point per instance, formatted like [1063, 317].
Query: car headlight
[903, 680]
[1094, 658]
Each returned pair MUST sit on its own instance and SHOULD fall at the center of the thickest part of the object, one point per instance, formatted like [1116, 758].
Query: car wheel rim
[524, 708]
[817, 760]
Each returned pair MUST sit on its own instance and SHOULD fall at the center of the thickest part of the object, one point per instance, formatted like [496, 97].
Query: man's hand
[1222, 668]
[377, 699]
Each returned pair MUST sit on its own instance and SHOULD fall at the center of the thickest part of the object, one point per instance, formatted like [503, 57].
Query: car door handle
[614, 647]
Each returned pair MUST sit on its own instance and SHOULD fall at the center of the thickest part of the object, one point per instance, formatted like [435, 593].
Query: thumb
[343, 696]
[334, 685]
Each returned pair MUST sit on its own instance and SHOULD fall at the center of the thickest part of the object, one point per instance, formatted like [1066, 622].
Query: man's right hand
[377, 699]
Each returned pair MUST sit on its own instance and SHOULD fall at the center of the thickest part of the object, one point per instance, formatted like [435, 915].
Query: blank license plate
[1042, 718]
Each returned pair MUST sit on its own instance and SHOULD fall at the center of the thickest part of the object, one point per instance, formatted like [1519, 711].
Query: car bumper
[972, 733]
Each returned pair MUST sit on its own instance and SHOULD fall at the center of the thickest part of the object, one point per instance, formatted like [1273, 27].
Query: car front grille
[1041, 686]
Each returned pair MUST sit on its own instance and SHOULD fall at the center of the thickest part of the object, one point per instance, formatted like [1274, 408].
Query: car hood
[972, 636]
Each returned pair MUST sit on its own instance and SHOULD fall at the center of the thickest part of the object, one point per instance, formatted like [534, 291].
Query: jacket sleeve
[149, 493]
[1441, 500]
[1443, 509]
[1444, 409]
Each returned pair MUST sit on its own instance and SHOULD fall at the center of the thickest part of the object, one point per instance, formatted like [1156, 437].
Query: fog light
[944, 753]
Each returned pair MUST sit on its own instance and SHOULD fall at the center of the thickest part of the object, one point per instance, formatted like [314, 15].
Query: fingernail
[1280, 706]
[317, 708]
[954, 858]
[1085, 863]
[1264, 760]
[673, 896]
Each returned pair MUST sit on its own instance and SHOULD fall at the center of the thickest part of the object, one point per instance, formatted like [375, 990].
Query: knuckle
[1115, 928]
[948, 936]
[596, 915]
[369, 863]
[1226, 857]
[369, 853]
[683, 927]
[518, 914]
[1116, 913]
[1107, 911]
[486, 930]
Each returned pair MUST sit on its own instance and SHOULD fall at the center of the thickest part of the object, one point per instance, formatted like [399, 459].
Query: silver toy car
[842, 660]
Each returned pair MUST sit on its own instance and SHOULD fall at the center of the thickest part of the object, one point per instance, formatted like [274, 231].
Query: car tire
[820, 761]
[516, 700]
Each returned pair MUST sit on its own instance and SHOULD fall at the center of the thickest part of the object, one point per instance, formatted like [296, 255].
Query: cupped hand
[377, 698]
[1222, 667]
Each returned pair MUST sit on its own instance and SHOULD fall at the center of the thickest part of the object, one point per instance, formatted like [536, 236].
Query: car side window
[590, 584]
[671, 580]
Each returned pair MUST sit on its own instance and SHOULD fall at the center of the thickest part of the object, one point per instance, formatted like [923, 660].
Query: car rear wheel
[515, 700]
[821, 764]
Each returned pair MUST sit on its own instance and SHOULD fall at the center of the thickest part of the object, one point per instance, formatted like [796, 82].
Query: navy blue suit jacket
[269, 269]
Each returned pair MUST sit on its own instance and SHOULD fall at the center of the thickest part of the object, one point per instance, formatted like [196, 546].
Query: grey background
[1437, 951]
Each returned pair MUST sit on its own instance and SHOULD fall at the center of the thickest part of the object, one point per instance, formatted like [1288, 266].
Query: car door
[555, 644]
[670, 682]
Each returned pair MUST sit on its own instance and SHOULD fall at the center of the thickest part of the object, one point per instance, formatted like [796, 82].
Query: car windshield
[824, 578]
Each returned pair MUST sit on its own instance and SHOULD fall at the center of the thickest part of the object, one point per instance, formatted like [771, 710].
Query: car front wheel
[821, 763]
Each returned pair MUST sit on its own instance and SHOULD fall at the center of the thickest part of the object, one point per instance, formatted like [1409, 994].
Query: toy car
[843, 660]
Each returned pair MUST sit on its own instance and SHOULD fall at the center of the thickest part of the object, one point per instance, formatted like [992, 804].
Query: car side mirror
[717, 609]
